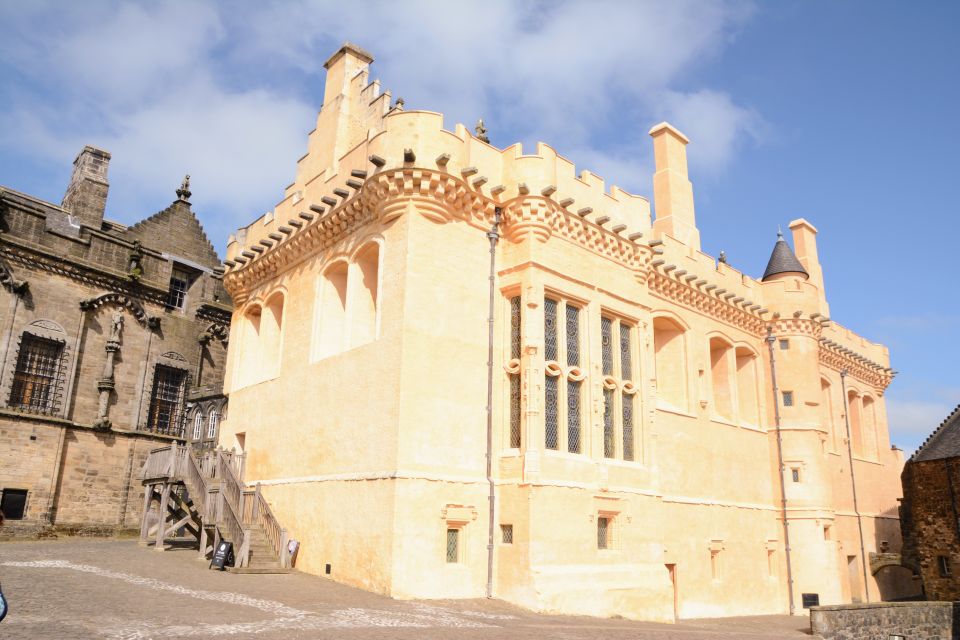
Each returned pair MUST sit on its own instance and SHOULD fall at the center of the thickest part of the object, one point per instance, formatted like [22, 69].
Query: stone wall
[930, 526]
[885, 620]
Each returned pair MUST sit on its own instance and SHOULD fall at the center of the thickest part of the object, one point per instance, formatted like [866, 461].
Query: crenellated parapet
[840, 358]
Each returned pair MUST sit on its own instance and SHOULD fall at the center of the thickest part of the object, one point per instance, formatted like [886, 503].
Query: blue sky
[844, 113]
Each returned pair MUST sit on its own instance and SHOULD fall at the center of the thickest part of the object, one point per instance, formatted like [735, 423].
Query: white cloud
[219, 91]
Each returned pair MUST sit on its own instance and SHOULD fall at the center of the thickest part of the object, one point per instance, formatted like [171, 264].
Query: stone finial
[183, 193]
[481, 131]
[398, 105]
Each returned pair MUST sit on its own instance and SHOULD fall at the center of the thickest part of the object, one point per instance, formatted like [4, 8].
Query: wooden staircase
[205, 497]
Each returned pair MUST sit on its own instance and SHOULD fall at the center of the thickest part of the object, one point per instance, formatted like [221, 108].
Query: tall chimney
[672, 190]
[805, 246]
[340, 122]
[86, 196]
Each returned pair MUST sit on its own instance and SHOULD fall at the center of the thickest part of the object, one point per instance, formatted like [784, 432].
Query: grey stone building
[112, 342]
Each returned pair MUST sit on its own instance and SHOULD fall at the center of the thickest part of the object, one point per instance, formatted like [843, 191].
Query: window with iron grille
[179, 283]
[619, 391]
[506, 534]
[563, 375]
[36, 379]
[166, 401]
[453, 545]
[514, 372]
[212, 422]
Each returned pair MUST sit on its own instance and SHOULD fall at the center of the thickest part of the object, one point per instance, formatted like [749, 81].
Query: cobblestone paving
[115, 590]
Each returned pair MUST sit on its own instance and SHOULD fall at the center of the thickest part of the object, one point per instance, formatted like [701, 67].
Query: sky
[840, 112]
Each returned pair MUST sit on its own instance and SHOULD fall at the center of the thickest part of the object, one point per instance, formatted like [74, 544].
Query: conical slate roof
[783, 260]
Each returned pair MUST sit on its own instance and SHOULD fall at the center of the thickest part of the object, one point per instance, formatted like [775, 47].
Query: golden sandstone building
[594, 428]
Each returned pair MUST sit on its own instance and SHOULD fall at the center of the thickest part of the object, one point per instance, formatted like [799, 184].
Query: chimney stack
[805, 246]
[86, 196]
[672, 190]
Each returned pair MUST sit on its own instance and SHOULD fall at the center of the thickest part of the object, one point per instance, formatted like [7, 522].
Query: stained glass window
[606, 345]
[573, 416]
[550, 328]
[550, 411]
[573, 336]
[608, 444]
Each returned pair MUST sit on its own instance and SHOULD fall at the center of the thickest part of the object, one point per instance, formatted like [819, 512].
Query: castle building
[457, 370]
[929, 512]
[113, 342]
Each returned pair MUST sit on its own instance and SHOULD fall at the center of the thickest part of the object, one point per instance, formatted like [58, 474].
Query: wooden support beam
[164, 500]
[144, 521]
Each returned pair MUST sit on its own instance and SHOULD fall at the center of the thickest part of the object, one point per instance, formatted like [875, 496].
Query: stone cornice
[710, 304]
[98, 278]
[840, 358]
[439, 197]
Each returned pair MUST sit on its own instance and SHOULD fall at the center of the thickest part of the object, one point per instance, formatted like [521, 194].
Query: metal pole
[493, 235]
[853, 481]
[783, 489]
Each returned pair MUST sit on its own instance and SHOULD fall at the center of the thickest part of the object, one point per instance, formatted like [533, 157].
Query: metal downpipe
[783, 489]
[493, 235]
[853, 483]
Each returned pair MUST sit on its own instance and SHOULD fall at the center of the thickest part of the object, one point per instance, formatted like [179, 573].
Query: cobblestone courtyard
[114, 589]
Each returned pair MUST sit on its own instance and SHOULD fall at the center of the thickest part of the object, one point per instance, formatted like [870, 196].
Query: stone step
[258, 570]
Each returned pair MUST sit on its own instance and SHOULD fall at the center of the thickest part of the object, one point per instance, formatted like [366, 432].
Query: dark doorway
[13, 503]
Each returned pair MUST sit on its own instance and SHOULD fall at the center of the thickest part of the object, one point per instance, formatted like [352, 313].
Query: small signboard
[3, 606]
[810, 600]
[222, 556]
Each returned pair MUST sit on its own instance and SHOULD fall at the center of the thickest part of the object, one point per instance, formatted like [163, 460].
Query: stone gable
[176, 230]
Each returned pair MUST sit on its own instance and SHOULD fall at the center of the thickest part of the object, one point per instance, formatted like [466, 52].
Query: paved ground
[112, 589]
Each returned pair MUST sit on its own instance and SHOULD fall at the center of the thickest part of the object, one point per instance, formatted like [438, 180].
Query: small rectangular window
[771, 563]
[715, 564]
[788, 398]
[826, 532]
[506, 533]
[179, 283]
[13, 503]
[603, 532]
[784, 344]
[795, 474]
[608, 435]
[453, 545]
[943, 564]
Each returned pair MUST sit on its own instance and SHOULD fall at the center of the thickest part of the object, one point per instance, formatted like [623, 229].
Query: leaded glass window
[603, 532]
[606, 345]
[550, 329]
[608, 443]
[453, 545]
[515, 410]
[515, 327]
[573, 416]
[550, 412]
[166, 401]
[626, 401]
[626, 361]
[37, 375]
[573, 336]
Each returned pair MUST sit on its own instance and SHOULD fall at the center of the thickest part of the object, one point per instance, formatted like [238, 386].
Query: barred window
[166, 401]
[563, 376]
[506, 534]
[212, 422]
[619, 391]
[179, 283]
[36, 379]
[197, 426]
[513, 374]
